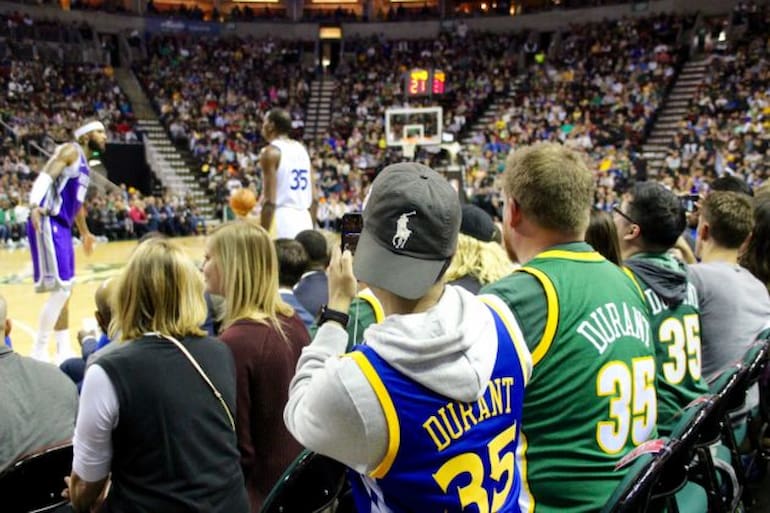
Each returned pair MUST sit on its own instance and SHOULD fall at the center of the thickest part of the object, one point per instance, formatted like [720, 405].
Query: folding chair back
[35, 483]
[311, 484]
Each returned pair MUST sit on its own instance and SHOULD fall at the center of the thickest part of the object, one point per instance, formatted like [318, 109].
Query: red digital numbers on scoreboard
[423, 82]
[418, 82]
[439, 81]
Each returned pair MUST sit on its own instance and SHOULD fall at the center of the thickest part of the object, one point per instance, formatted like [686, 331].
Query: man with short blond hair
[586, 325]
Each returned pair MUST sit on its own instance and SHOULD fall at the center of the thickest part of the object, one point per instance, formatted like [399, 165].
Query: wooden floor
[24, 304]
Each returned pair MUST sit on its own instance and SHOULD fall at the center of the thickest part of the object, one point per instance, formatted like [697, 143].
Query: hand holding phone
[352, 224]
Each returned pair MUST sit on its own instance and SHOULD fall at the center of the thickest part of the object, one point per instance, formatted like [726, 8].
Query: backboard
[414, 126]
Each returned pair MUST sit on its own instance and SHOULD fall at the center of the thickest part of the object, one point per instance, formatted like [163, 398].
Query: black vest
[173, 449]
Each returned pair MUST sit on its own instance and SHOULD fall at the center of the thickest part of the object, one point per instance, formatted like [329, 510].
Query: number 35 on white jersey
[294, 188]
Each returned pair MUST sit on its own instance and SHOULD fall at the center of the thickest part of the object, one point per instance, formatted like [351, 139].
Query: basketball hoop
[408, 150]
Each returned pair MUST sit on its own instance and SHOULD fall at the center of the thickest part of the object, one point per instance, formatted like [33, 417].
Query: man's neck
[532, 247]
[713, 253]
[395, 305]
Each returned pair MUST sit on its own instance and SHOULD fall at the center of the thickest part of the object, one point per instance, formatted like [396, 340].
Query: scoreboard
[424, 82]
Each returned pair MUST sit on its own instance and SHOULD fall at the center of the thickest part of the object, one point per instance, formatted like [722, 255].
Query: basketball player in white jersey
[56, 202]
[288, 192]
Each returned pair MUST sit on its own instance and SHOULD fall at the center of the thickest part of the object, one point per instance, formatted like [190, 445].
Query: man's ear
[632, 232]
[514, 212]
[704, 231]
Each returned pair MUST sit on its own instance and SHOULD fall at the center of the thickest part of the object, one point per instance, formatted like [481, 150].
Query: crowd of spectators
[727, 125]
[598, 92]
[118, 215]
[130, 215]
[46, 96]
[211, 95]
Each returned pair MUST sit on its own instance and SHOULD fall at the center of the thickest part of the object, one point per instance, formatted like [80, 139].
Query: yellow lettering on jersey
[483, 409]
[431, 426]
[467, 413]
[508, 382]
[495, 396]
[447, 424]
[454, 428]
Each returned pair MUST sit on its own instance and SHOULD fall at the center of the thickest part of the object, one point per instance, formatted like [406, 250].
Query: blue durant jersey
[444, 455]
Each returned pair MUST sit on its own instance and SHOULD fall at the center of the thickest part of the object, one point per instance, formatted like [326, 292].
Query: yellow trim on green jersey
[526, 499]
[552, 317]
[368, 296]
[581, 256]
[525, 358]
[391, 418]
[631, 275]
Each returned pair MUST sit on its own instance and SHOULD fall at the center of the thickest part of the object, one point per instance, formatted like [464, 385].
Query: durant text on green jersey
[612, 321]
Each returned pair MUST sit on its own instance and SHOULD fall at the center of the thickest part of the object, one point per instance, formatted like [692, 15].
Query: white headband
[88, 128]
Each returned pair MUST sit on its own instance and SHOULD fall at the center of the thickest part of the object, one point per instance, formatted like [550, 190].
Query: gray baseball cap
[411, 222]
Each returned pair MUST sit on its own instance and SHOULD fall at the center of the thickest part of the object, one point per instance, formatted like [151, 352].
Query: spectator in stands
[756, 256]
[292, 264]
[562, 297]
[39, 402]
[649, 222]
[479, 260]
[265, 336]
[75, 368]
[312, 289]
[734, 305]
[151, 390]
[603, 236]
[138, 218]
[439, 348]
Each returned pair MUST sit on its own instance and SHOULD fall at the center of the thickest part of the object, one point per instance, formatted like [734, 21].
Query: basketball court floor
[24, 304]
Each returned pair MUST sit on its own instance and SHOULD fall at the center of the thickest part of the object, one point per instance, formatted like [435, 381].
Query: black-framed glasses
[622, 214]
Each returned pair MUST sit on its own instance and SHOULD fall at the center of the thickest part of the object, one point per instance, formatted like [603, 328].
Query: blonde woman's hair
[485, 261]
[248, 267]
[553, 186]
[159, 290]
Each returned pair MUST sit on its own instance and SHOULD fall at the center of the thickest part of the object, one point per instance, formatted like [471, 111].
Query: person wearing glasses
[649, 222]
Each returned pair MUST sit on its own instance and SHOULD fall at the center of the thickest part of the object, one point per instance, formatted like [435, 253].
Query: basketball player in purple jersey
[56, 203]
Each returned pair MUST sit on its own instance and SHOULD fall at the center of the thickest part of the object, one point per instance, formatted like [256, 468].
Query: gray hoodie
[450, 349]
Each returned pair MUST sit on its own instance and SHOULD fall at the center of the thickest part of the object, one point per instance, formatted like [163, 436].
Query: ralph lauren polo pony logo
[402, 230]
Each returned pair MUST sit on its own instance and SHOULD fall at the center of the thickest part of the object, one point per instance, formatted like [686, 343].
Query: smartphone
[352, 224]
[690, 202]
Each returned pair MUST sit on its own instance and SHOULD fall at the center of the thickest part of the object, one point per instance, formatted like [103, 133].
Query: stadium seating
[35, 483]
[312, 484]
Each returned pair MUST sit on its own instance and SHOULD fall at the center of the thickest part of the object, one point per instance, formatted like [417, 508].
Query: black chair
[666, 465]
[311, 484]
[35, 482]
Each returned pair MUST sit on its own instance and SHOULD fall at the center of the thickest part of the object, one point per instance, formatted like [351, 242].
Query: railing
[163, 170]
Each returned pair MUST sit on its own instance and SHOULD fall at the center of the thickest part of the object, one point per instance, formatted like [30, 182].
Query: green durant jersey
[676, 333]
[365, 309]
[591, 398]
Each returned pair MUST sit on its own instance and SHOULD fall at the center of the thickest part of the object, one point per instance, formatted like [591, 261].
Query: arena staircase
[164, 159]
[319, 107]
[491, 113]
[672, 113]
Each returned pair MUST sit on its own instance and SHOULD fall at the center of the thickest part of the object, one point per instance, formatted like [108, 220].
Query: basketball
[242, 201]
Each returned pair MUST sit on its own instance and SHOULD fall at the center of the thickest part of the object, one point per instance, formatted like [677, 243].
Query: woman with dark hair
[603, 236]
[756, 255]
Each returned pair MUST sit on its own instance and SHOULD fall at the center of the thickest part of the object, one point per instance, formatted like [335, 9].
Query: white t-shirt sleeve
[97, 417]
